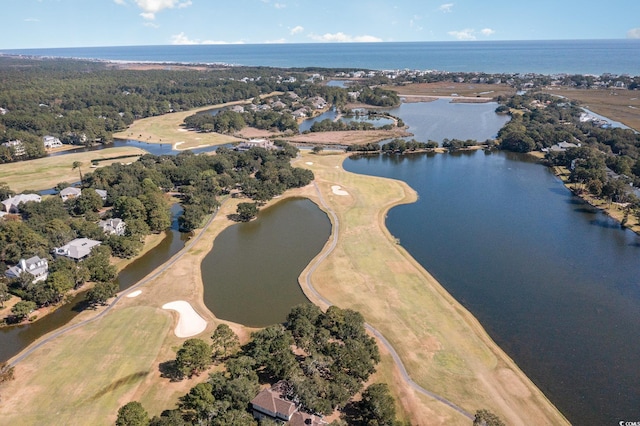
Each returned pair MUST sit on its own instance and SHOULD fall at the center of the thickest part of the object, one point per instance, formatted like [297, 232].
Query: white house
[51, 142]
[17, 145]
[11, 205]
[255, 143]
[77, 249]
[36, 266]
[70, 192]
[113, 226]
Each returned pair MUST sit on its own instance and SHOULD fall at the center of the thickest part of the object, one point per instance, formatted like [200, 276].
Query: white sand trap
[135, 293]
[189, 322]
[338, 191]
[309, 163]
[182, 130]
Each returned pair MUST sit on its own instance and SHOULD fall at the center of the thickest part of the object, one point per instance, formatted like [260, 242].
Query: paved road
[379, 336]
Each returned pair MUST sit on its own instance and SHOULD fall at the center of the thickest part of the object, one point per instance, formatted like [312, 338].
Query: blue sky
[80, 23]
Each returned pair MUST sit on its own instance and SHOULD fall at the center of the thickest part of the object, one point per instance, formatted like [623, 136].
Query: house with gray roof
[37, 267]
[77, 249]
[270, 404]
[70, 192]
[113, 226]
[12, 205]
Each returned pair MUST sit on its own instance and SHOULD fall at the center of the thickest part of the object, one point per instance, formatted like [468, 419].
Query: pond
[333, 115]
[251, 274]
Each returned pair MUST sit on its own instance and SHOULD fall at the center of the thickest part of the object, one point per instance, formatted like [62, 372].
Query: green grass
[84, 377]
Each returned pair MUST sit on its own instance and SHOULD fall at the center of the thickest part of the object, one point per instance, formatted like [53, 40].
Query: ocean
[540, 57]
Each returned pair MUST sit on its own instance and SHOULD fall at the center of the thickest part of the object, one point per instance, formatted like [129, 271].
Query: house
[51, 142]
[11, 205]
[299, 113]
[270, 404]
[237, 108]
[18, 147]
[255, 143]
[561, 147]
[102, 193]
[113, 226]
[35, 266]
[77, 249]
[70, 192]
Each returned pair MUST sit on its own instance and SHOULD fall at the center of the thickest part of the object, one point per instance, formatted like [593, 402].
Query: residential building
[113, 226]
[77, 249]
[270, 404]
[69, 193]
[11, 205]
[102, 193]
[255, 143]
[18, 147]
[35, 266]
[51, 142]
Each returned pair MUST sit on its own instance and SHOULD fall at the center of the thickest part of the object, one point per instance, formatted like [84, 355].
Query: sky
[89, 23]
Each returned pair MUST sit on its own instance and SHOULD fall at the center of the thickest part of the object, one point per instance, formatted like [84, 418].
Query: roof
[101, 192]
[77, 249]
[20, 198]
[70, 191]
[270, 403]
[305, 419]
[34, 265]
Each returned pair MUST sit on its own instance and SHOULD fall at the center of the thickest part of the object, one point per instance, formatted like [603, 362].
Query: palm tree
[76, 165]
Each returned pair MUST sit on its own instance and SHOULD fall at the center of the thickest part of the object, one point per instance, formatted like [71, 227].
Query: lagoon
[553, 281]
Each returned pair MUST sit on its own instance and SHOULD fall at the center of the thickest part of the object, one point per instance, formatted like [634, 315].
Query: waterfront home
[77, 249]
[255, 143]
[35, 266]
[17, 146]
[113, 226]
[560, 147]
[269, 404]
[69, 193]
[12, 204]
[51, 142]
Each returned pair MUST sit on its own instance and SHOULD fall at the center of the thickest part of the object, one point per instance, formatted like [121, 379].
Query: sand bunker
[309, 163]
[135, 293]
[336, 189]
[189, 322]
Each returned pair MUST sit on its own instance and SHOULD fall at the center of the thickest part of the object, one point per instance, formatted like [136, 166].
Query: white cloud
[466, 34]
[341, 37]
[277, 41]
[151, 7]
[31, 20]
[121, 2]
[633, 33]
[446, 8]
[183, 39]
[297, 29]
[487, 31]
[279, 5]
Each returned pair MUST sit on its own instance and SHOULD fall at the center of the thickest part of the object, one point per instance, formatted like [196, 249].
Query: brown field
[447, 89]
[349, 137]
[615, 104]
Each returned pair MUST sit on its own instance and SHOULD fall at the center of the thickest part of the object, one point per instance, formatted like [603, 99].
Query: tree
[225, 342]
[22, 309]
[193, 357]
[132, 414]
[317, 149]
[486, 418]
[199, 404]
[247, 211]
[77, 165]
[377, 407]
[6, 372]
[101, 292]
[4, 292]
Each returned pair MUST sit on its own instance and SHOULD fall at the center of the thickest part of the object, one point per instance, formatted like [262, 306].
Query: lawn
[45, 173]
[83, 377]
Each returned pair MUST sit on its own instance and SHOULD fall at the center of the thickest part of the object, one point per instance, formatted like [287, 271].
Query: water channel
[251, 275]
[15, 338]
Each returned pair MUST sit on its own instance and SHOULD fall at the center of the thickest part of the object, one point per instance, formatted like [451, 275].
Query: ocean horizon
[620, 56]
